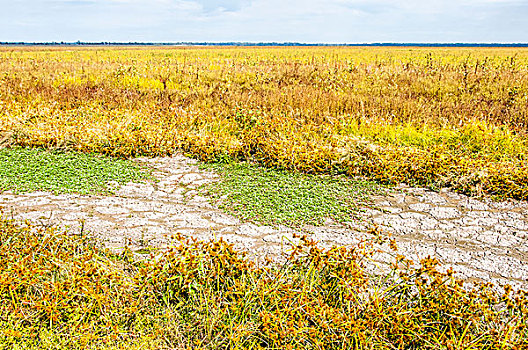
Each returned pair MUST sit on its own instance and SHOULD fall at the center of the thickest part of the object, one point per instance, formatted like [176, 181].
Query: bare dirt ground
[480, 239]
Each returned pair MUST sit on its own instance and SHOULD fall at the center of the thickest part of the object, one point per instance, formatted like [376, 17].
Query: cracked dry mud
[480, 239]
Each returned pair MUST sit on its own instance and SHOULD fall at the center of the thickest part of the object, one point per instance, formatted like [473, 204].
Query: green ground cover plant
[62, 291]
[274, 197]
[26, 170]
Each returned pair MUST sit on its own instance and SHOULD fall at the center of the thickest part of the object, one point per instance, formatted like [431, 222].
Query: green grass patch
[274, 197]
[26, 170]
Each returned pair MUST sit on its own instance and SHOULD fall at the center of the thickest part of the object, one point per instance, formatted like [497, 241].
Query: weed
[282, 197]
[62, 291]
[24, 170]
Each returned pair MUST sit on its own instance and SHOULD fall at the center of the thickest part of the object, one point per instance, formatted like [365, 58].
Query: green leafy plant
[23, 170]
[274, 197]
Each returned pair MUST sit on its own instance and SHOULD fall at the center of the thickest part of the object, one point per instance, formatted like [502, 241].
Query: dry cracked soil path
[481, 240]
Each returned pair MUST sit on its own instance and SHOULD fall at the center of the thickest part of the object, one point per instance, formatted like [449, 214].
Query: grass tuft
[64, 292]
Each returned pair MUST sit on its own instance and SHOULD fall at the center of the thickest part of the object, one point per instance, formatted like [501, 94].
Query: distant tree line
[233, 43]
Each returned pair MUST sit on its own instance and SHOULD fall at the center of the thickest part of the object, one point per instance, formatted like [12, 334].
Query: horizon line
[248, 43]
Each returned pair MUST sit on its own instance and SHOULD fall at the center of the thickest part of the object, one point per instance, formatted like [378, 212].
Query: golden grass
[433, 117]
[61, 291]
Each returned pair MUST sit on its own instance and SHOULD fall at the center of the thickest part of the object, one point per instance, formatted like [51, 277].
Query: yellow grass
[59, 291]
[436, 117]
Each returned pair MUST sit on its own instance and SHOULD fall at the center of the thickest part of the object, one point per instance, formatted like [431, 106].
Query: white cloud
[265, 20]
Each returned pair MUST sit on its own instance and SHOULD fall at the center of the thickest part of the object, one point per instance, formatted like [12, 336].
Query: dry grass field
[441, 117]
[434, 117]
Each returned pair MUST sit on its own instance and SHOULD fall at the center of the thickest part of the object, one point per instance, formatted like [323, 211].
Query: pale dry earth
[481, 240]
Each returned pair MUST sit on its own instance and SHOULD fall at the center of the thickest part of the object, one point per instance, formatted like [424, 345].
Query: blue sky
[331, 21]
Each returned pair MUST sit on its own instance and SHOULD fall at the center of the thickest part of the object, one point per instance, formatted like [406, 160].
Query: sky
[306, 21]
